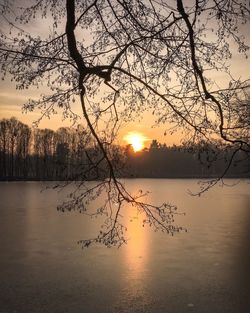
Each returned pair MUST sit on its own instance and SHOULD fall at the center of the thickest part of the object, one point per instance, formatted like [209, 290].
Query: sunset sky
[11, 101]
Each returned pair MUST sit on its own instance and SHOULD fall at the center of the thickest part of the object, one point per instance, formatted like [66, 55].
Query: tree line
[188, 161]
[67, 154]
[41, 154]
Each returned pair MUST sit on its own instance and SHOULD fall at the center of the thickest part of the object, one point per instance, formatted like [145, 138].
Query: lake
[204, 270]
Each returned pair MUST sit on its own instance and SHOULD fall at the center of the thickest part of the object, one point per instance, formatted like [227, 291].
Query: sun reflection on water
[135, 259]
[136, 251]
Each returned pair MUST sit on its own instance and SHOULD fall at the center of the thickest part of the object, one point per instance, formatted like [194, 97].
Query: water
[203, 270]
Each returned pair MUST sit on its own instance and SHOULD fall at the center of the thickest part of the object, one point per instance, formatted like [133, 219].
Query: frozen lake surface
[205, 270]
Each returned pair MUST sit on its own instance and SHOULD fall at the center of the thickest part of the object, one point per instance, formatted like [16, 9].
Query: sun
[136, 140]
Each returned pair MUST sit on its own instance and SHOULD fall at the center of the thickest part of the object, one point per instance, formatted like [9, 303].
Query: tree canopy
[120, 58]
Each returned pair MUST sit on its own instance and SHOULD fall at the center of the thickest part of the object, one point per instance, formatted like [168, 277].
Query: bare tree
[121, 58]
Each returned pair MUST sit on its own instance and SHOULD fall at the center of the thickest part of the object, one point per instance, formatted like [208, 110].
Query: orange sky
[11, 101]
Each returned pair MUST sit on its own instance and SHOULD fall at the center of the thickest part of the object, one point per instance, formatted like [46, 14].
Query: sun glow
[136, 140]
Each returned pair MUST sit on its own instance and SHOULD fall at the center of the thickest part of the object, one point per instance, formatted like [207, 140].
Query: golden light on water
[137, 248]
[136, 140]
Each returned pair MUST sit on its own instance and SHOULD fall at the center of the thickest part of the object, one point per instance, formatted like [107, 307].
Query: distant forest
[66, 154]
